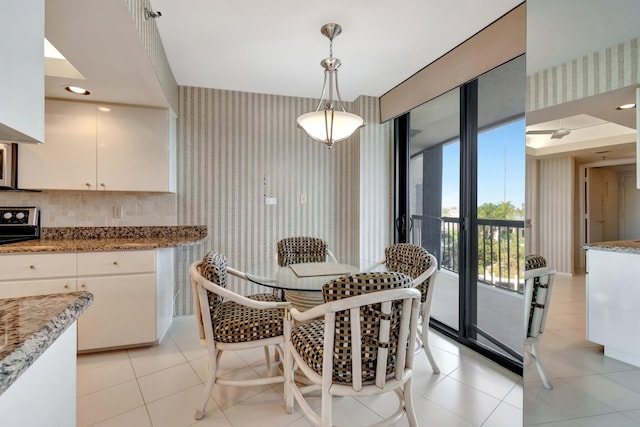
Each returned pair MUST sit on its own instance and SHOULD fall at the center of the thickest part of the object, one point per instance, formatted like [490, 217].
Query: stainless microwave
[8, 156]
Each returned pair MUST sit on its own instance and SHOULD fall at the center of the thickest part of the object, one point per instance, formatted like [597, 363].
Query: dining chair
[229, 321]
[534, 261]
[422, 266]
[538, 284]
[367, 326]
[295, 250]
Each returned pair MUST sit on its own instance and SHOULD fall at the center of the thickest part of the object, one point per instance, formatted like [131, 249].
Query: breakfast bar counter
[38, 358]
[613, 293]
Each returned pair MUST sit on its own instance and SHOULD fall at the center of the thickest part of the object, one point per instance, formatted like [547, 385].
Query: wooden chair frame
[537, 297]
[200, 287]
[401, 381]
[425, 308]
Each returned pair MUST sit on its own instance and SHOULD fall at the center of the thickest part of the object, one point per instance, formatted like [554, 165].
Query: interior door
[630, 209]
[594, 205]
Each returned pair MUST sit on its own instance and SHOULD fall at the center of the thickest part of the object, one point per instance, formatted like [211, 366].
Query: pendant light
[330, 123]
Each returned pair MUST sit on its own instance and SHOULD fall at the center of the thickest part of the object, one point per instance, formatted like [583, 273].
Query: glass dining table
[302, 283]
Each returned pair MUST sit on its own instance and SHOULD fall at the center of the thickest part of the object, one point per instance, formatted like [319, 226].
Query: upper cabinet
[100, 147]
[22, 71]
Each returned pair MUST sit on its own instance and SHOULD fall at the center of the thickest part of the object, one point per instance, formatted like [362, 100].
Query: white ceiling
[559, 31]
[275, 47]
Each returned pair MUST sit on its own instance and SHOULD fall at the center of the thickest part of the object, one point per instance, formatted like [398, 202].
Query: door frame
[583, 190]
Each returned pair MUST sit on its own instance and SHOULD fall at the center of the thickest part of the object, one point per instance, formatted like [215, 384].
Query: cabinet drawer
[120, 262]
[37, 287]
[37, 266]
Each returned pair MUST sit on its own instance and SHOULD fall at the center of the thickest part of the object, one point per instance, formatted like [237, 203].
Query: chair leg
[408, 404]
[541, 372]
[267, 359]
[326, 408]
[425, 346]
[287, 367]
[212, 369]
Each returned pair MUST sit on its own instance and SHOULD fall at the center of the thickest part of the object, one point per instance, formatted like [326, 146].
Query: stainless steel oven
[8, 155]
[18, 224]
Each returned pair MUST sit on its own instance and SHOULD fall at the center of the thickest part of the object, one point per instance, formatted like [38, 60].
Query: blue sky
[501, 167]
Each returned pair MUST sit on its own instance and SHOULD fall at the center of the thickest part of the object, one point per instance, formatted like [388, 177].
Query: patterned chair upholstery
[370, 355]
[538, 285]
[422, 266]
[531, 262]
[229, 321]
[295, 250]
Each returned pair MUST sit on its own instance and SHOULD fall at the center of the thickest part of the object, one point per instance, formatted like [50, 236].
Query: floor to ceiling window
[461, 196]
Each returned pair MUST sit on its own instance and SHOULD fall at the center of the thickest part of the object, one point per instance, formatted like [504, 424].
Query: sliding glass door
[463, 186]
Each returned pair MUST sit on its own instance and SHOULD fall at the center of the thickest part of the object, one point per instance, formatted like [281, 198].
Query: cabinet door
[133, 149]
[67, 159]
[28, 288]
[21, 72]
[122, 313]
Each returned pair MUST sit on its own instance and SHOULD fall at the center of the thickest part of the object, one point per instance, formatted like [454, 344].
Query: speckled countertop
[629, 246]
[85, 239]
[29, 325]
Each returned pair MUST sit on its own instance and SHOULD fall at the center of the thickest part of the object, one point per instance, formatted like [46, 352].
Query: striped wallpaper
[237, 148]
[615, 67]
[609, 69]
[148, 31]
[556, 212]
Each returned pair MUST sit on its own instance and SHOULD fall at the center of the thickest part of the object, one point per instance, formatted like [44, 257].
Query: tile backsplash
[96, 208]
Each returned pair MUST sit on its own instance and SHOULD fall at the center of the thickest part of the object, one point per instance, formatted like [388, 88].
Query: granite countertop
[29, 325]
[86, 239]
[629, 246]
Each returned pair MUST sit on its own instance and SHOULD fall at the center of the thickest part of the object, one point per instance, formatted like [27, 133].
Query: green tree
[503, 210]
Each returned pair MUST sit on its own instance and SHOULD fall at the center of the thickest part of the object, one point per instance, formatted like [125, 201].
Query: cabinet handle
[88, 184]
[33, 267]
[115, 262]
[66, 286]
[83, 285]
[102, 184]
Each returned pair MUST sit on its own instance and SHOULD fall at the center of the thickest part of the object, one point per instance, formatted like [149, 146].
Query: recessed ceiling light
[77, 90]
[626, 107]
[104, 109]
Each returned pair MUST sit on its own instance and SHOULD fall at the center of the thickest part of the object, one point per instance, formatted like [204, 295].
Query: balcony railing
[500, 247]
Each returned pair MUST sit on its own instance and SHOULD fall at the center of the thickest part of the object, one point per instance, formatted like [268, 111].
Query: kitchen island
[38, 358]
[613, 295]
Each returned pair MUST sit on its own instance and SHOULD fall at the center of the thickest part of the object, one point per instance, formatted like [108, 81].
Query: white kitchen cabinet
[37, 274]
[67, 161]
[22, 71]
[17, 289]
[45, 394]
[133, 291]
[123, 309]
[100, 147]
[122, 313]
[133, 149]
[613, 291]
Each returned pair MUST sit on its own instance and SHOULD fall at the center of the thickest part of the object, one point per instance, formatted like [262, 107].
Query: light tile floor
[159, 386]
[589, 388]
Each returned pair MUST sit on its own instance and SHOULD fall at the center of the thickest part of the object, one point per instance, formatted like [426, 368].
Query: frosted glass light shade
[344, 125]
